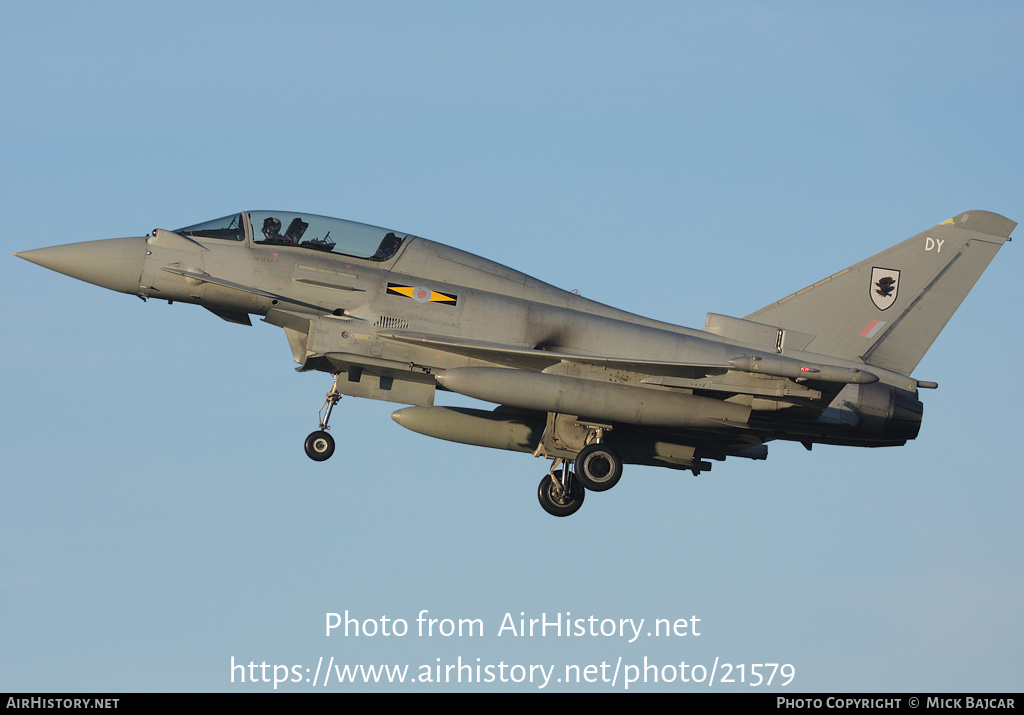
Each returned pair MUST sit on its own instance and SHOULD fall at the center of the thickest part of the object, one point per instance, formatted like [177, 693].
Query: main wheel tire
[598, 467]
[319, 446]
[558, 501]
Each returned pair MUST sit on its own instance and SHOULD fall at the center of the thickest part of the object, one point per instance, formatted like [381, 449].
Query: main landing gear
[560, 493]
[597, 468]
[320, 444]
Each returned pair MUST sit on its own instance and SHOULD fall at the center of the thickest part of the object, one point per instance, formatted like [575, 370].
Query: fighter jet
[395, 317]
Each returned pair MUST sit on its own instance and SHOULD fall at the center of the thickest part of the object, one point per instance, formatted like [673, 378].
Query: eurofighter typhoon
[396, 317]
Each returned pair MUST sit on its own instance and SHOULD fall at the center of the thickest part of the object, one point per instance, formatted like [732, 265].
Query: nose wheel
[320, 444]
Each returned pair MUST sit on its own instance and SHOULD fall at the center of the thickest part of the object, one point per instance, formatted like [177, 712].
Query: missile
[500, 429]
[786, 367]
[592, 399]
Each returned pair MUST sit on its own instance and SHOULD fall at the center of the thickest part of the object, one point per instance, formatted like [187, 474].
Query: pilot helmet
[271, 226]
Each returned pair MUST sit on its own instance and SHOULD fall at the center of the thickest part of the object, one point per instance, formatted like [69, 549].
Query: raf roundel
[422, 295]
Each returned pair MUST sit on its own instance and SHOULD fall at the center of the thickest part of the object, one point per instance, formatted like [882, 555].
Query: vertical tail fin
[888, 309]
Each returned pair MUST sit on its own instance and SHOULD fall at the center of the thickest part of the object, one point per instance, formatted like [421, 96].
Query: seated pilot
[388, 247]
[272, 230]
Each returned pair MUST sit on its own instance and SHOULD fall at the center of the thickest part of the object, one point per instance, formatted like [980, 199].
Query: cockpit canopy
[309, 231]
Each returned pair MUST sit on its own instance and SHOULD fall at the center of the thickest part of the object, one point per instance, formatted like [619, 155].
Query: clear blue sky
[157, 515]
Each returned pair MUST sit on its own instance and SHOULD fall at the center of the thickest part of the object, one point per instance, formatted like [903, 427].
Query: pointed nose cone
[115, 263]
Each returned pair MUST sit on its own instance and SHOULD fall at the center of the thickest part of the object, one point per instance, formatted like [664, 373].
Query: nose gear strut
[320, 444]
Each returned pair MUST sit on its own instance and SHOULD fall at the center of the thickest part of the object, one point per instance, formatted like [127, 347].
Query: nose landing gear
[320, 444]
